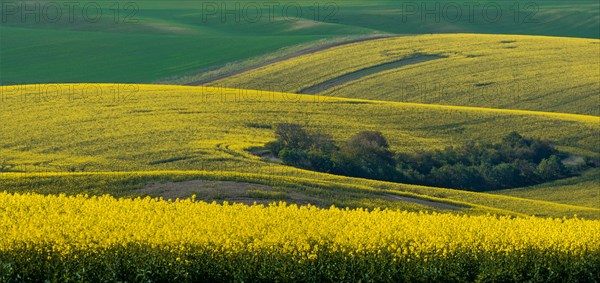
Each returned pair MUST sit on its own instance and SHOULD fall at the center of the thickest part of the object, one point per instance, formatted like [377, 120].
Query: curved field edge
[582, 190]
[500, 71]
[178, 133]
[338, 190]
[233, 68]
[136, 102]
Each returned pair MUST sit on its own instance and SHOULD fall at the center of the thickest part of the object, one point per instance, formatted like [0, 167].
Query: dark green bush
[514, 162]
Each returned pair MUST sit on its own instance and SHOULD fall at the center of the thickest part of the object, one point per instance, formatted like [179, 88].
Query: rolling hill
[145, 41]
[106, 138]
[312, 141]
[497, 71]
[582, 191]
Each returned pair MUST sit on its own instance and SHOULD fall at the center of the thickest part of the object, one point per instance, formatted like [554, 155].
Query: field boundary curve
[284, 58]
[359, 74]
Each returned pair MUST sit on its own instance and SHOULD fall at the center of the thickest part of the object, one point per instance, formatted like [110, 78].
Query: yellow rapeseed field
[501, 71]
[123, 130]
[98, 237]
[111, 127]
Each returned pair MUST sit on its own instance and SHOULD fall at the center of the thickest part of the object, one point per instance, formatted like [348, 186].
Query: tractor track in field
[359, 74]
[286, 57]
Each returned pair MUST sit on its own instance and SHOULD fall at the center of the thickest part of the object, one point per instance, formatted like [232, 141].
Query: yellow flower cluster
[99, 222]
[60, 238]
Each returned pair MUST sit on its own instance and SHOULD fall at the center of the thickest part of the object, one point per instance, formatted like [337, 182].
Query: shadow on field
[249, 193]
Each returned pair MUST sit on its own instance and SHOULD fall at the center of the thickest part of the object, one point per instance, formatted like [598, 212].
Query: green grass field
[155, 40]
[36, 55]
[582, 191]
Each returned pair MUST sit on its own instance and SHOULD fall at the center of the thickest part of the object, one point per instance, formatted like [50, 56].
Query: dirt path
[238, 192]
[352, 76]
[249, 193]
[437, 205]
[286, 57]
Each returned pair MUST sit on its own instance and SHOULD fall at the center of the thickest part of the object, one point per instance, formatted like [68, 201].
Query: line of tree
[515, 161]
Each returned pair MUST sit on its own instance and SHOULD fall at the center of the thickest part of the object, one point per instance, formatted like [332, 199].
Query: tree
[301, 148]
[551, 168]
[541, 149]
[292, 136]
[513, 139]
[366, 155]
[527, 172]
[514, 162]
[371, 139]
[321, 143]
[504, 175]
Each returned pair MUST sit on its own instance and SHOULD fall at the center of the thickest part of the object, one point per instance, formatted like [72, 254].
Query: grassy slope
[171, 38]
[500, 71]
[166, 131]
[554, 17]
[212, 74]
[167, 38]
[34, 55]
[581, 191]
